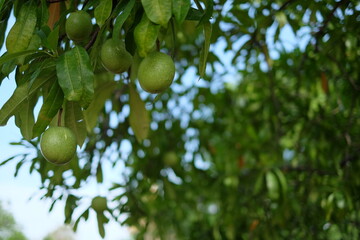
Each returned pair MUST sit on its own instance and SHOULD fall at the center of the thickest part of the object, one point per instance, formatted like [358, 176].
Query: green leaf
[75, 76]
[75, 121]
[158, 11]
[145, 35]
[24, 118]
[21, 33]
[103, 11]
[20, 95]
[84, 215]
[99, 173]
[205, 50]
[194, 14]
[53, 38]
[49, 109]
[139, 117]
[122, 18]
[180, 9]
[6, 57]
[1, 4]
[282, 182]
[209, 9]
[103, 91]
[70, 205]
[272, 185]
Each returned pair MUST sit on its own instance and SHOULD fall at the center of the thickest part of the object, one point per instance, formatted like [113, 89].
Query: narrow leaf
[139, 117]
[103, 91]
[6, 57]
[158, 11]
[145, 35]
[205, 50]
[103, 11]
[24, 119]
[99, 173]
[75, 121]
[180, 9]
[49, 109]
[75, 76]
[21, 33]
[20, 95]
[1, 4]
[122, 18]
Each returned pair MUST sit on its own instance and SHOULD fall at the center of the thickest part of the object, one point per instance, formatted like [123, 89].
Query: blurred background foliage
[9, 229]
[265, 146]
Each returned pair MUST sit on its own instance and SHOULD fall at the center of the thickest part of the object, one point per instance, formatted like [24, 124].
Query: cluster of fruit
[155, 74]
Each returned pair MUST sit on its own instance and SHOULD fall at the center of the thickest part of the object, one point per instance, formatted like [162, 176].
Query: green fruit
[114, 56]
[58, 145]
[156, 72]
[99, 204]
[78, 26]
[170, 159]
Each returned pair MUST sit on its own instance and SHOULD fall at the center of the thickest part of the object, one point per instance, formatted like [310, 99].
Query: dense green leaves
[270, 130]
[20, 96]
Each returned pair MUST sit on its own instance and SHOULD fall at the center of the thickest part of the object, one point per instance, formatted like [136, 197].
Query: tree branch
[319, 34]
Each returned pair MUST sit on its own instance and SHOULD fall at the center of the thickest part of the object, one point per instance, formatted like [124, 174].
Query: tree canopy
[9, 229]
[258, 136]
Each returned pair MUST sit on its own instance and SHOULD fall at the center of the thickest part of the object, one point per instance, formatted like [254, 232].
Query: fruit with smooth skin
[156, 72]
[99, 204]
[78, 26]
[58, 145]
[170, 159]
[114, 56]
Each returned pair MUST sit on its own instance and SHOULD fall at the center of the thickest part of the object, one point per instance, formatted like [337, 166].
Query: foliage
[61, 233]
[268, 137]
[9, 230]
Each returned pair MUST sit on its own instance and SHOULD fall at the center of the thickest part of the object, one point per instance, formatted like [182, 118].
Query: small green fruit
[170, 159]
[99, 204]
[114, 56]
[78, 26]
[156, 72]
[58, 145]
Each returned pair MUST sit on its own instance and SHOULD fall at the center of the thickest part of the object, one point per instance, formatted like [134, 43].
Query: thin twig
[285, 4]
[92, 40]
[59, 117]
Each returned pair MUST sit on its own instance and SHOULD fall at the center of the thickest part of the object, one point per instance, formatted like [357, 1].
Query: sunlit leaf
[21, 33]
[103, 11]
[159, 11]
[145, 35]
[180, 9]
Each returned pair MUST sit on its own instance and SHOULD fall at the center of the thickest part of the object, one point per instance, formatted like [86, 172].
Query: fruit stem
[59, 117]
